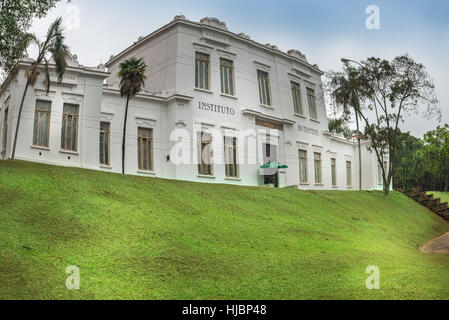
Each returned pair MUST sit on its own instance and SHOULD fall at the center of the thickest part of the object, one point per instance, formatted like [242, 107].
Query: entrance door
[270, 155]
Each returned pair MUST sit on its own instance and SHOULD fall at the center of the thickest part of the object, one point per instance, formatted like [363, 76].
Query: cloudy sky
[325, 30]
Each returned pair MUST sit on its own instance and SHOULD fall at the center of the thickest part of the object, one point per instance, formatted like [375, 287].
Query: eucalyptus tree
[393, 90]
[437, 151]
[132, 80]
[52, 48]
[16, 17]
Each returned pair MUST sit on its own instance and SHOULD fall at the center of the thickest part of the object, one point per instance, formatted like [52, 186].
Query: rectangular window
[205, 150]
[105, 139]
[348, 174]
[41, 123]
[264, 88]
[5, 128]
[145, 149]
[312, 103]
[227, 76]
[317, 162]
[379, 174]
[334, 172]
[303, 166]
[69, 132]
[230, 151]
[202, 70]
[296, 93]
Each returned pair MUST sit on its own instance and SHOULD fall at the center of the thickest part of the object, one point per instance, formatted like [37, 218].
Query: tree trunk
[360, 150]
[18, 119]
[387, 186]
[124, 135]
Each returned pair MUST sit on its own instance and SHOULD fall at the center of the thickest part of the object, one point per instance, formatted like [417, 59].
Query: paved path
[438, 245]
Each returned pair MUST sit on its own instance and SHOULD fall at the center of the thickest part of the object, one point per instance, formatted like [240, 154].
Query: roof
[216, 25]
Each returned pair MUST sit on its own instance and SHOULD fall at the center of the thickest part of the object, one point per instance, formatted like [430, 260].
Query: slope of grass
[444, 196]
[135, 237]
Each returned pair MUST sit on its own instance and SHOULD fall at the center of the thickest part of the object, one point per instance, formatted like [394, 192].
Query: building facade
[215, 108]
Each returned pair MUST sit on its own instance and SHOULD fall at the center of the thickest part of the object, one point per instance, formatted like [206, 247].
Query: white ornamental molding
[216, 38]
[72, 100]
[226, 54]
[202, 48]
[180, 124]
[302, 145]
[145, 122]
[294, 77]
[214, 22]
[310, 84]
[43, 95]
[107, 116]
[262, 66]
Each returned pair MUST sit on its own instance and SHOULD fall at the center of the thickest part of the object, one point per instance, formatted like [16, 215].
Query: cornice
[241, 37]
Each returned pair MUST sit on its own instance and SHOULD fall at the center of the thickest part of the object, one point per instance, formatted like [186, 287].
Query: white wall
[175, 104]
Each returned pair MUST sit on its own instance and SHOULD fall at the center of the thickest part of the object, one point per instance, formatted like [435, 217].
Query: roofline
[27, 63]
[151, 97]
[227, 32]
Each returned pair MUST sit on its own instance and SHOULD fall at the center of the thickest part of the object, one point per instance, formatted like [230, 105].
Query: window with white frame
[105, 140]
[349, 174]
[227, 76]
[312, 103]
[204, 156]
[230, 152]
[5, 128]
[202, 71]
[264, 87]
[379, 175]
[334, 172]
[145, 149]
[41, 123]
[296, 93]
[303, 166]
[69, 131]
[317, 164]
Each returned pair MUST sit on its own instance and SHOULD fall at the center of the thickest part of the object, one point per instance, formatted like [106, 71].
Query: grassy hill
[135, 237]
[444, 196]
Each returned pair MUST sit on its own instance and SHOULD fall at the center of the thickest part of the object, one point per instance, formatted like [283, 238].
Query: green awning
[275, 164]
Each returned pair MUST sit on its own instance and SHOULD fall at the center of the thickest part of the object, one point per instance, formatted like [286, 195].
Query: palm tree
[52, 48]
[132, 79]
[346, 92]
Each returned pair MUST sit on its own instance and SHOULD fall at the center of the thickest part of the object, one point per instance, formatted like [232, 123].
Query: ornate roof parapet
[179, 17]
[214, 22]
[297, 54]
[244, 35]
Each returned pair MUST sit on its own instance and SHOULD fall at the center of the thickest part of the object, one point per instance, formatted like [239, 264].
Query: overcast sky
[324, 30]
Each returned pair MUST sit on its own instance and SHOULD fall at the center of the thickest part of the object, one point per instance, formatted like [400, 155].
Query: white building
[267, 105]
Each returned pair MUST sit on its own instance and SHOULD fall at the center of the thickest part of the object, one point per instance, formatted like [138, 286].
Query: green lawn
[147, 238]
[444, 196]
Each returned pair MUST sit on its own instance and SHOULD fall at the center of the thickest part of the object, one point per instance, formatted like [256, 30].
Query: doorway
[270, 155]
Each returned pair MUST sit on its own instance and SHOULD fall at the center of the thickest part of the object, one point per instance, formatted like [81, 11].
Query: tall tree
[437, 149]
[132, 80]
[339, 125]
[345, 93]
[16, 17]
[393, 89]
[53, 47]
